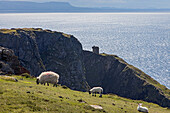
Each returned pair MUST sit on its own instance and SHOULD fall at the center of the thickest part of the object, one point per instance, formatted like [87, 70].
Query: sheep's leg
[47, 84]
[92, 94]
[44, 84]
[95, 94]
[100, 95]
[55, 85]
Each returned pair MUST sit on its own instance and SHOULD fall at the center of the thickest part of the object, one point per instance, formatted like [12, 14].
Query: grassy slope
[14, 30]
[26, 96]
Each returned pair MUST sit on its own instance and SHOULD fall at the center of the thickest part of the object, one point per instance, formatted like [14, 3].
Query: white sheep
[142, 109]
[48, 77]
[95, 90]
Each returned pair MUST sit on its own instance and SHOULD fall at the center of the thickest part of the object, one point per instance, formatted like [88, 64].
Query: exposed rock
[24, 46]
[82, 101]
[9, 63]
[118, 77]
[41, 50]
[8, 78]
[96, 107]
[14, 79]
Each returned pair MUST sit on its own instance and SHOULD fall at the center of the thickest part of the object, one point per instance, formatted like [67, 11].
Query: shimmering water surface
[141, 39]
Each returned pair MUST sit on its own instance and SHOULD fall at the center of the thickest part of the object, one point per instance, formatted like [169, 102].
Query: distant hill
[17, 6]
[33, 7]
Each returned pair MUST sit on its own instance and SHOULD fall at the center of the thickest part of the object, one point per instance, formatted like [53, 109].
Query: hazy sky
[112, 3]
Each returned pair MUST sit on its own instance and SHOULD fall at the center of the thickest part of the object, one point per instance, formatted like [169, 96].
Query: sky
[112, 3]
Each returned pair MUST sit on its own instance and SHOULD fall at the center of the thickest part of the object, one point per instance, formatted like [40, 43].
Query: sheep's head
[37, 81]
[139, 104]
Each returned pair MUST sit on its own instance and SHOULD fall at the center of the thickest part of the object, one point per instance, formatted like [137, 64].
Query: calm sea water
[141, 39]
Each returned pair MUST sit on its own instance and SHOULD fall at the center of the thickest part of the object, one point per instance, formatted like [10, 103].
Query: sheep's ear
[140, 104]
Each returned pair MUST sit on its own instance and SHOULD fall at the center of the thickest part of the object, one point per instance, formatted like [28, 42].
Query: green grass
[26, 96]
[14, 30]
[6, 31]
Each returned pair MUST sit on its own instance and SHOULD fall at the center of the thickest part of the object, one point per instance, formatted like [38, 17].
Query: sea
[141, 39]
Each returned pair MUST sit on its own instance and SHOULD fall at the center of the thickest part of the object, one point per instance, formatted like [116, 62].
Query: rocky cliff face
[40, 50]
[9, 63]
[118, 77]
[24, 45]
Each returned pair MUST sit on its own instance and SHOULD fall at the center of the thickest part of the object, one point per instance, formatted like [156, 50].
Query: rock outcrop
[9, 63]
[118, 77]
[42, 50]
[45, 50]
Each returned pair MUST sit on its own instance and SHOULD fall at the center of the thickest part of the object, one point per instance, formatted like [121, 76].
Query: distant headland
[64, 7]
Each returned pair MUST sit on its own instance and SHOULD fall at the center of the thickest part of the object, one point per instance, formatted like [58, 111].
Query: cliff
[9, 63]
[41, 50]
[118, 77]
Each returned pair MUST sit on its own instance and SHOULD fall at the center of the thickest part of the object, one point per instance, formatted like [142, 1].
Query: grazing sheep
[142, 109]
[48, 77]
[95, 90]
